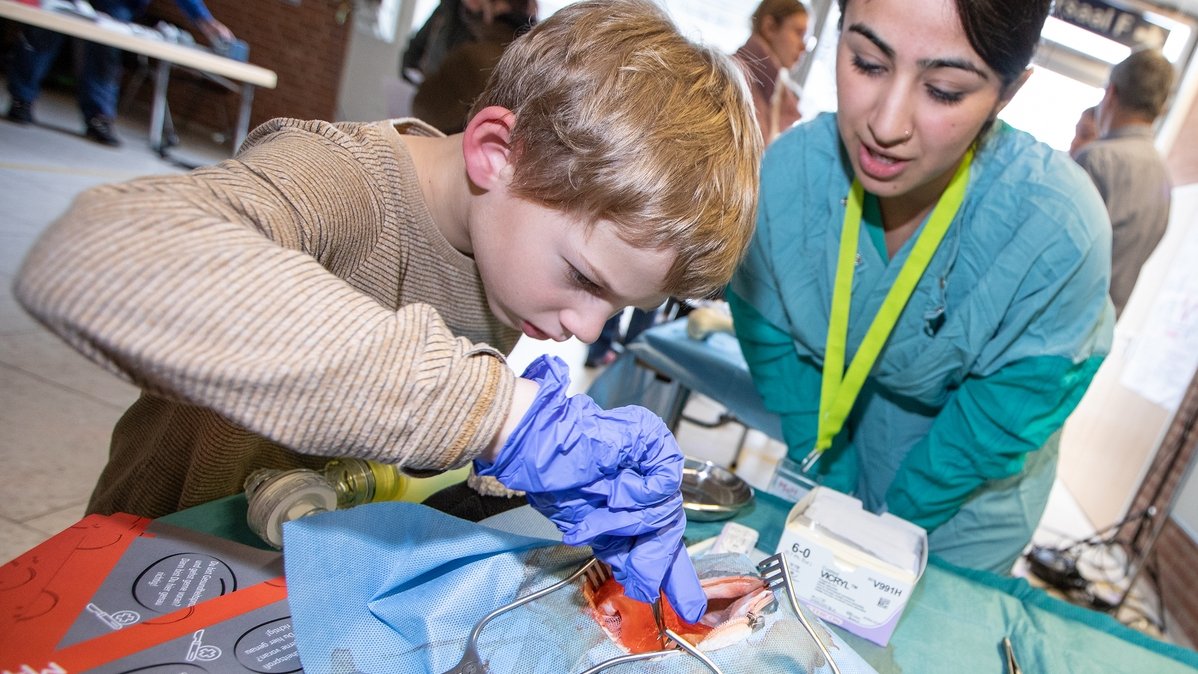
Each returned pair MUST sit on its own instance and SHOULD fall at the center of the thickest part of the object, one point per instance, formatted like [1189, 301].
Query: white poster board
[1165, 353]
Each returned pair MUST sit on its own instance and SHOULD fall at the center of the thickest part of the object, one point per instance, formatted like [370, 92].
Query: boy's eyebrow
[590, 271]
[924, 64]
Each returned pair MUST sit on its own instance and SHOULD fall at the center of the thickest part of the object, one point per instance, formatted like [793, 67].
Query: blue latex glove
[610, 479]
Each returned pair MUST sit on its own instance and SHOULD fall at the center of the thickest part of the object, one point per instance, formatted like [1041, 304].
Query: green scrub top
[956, 427]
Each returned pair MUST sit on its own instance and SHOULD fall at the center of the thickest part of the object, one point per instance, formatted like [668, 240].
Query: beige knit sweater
[294, 303]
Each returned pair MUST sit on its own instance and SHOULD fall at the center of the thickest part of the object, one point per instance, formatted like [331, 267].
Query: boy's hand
[644, 549]
[607, 478]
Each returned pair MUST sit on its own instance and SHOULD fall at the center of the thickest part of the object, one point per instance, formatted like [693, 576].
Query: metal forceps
[1009, 656]
[471, 663]
[661, 622]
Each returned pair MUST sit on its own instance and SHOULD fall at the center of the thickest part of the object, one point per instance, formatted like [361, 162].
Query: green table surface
[953, 623]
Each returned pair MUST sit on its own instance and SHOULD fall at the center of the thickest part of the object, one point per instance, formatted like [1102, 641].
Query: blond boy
[350, 289]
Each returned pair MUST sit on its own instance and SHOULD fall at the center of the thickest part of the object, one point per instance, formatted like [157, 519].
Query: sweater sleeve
[214, 289]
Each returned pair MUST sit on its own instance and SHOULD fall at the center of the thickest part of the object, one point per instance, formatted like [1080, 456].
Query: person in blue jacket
[925, 299]
[99, 66]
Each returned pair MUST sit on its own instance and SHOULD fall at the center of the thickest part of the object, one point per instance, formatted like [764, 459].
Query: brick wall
[1174, 558]
[302, 43]
[1174, 555]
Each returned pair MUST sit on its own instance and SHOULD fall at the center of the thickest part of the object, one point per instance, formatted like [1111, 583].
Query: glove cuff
[552, 375]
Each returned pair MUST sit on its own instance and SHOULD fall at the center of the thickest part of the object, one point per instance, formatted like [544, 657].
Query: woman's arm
[790, 387]
[985, 433]
[1030, 376]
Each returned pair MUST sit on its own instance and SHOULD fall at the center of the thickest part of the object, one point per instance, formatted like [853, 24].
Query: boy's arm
[207, 289]
[524, 391]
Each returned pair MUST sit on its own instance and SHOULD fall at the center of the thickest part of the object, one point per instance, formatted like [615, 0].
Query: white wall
[371, 70]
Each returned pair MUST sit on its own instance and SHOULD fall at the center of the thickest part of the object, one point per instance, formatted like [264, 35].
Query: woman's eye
[865, 67]
[942, 96]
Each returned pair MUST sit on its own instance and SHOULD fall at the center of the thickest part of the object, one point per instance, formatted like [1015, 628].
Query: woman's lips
[879, 166]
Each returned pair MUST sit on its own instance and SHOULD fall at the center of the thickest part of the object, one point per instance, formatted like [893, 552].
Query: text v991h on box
[851, 567]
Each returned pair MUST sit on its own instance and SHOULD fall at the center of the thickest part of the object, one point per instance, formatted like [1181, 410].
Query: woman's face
[913, 95]
[787, 37]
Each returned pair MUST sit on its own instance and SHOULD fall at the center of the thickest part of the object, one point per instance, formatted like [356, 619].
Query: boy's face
[549, 276]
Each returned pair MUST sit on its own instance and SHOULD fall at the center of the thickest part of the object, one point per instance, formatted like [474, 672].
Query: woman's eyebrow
[958, 63]
[865, 32]
[924, 64]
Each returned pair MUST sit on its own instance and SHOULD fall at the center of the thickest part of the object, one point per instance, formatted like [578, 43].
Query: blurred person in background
[98, 66]
[1127, 169]
[1085, 131]
[444, 98]
[452, 23]
[602, 351]
[778, 39]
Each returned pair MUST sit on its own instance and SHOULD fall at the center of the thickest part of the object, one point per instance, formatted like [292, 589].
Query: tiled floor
[57, 409]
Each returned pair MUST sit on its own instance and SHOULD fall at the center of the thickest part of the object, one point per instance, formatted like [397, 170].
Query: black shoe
[99, 129]
[20, 112]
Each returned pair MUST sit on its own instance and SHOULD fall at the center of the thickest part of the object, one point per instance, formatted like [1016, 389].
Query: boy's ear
[486, 147]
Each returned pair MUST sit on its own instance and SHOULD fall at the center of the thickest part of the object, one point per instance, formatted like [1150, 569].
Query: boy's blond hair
[620, 118]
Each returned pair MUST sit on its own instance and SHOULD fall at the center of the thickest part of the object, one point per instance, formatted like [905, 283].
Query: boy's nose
[586, 324]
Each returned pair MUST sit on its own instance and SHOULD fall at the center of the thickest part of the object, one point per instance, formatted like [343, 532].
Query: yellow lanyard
[839, 391]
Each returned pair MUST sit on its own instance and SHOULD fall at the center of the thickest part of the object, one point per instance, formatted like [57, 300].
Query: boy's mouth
[533, 331]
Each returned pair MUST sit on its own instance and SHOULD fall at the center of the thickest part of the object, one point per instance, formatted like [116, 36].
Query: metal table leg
[162, 77]
[243, 115]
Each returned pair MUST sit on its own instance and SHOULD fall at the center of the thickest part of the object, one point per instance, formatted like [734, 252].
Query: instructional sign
[121, 593]
[1110, 21]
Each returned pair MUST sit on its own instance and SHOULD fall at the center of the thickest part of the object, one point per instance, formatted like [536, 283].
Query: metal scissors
[1009, 654]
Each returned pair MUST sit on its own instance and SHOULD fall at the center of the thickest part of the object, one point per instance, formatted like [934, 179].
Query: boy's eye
[865, 67]
[581, 281]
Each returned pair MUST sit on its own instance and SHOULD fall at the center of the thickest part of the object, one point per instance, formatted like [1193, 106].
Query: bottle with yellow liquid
[359, 481]
[277, 496]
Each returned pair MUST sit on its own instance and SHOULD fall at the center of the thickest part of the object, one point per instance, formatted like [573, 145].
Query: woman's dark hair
[1003, 32]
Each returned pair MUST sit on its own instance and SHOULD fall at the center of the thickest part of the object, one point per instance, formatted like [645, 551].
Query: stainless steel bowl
[711, 492]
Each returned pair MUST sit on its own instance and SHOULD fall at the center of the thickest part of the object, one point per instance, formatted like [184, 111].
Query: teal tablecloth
[953, 622]
[956, 618]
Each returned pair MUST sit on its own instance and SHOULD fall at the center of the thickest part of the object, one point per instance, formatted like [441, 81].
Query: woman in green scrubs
[925, 300]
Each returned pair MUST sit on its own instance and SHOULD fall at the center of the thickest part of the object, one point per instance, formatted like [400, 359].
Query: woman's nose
[892, 121]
